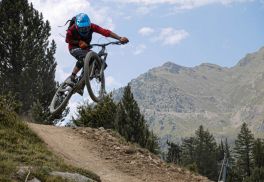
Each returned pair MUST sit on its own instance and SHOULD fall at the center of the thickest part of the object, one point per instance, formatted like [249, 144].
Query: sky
[185, 32]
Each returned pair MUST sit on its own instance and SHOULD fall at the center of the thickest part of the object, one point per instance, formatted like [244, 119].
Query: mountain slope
[176, 99]
[107, 154]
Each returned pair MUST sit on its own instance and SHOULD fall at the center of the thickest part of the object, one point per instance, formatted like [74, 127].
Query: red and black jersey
[73, 37]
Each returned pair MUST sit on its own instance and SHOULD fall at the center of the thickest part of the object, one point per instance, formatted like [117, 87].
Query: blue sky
[186, 32]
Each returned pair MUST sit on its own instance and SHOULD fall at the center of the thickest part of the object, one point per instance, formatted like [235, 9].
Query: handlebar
[106, 44]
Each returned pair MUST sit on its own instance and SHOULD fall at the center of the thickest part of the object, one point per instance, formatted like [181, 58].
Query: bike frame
[102, 55]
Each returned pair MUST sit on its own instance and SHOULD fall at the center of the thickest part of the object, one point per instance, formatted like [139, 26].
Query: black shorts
[79, 54]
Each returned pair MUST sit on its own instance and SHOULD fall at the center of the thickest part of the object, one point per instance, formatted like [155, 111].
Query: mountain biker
[79, 36]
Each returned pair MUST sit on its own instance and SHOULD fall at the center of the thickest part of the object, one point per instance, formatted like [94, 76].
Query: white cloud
[59, 11]
[170, 36]
[61, 75]
[183, 4]
[144, 10]
[140, 49]
[145, 31]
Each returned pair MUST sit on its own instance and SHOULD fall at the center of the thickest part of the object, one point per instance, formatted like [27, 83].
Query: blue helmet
[83, 23]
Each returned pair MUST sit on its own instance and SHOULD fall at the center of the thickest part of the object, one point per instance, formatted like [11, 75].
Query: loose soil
[107, 154]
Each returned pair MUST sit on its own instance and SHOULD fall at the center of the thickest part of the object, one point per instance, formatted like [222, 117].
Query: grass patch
[19, 146]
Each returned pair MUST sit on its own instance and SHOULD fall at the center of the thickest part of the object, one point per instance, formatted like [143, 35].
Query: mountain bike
[92, 75]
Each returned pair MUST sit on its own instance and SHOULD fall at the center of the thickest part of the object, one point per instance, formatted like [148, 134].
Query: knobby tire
[89, 59]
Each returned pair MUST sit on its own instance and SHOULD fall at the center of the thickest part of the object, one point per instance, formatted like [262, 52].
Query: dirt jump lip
[109, 156]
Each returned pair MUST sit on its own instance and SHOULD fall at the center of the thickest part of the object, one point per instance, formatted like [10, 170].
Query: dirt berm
[108, 155]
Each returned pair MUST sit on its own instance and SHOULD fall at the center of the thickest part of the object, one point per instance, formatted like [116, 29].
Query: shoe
[71, 81]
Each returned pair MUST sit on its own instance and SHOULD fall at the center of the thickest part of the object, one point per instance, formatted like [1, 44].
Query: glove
[82, 44]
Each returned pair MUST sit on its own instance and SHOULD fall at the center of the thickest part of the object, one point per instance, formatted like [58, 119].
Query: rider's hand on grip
[82, 44]
[124, 40]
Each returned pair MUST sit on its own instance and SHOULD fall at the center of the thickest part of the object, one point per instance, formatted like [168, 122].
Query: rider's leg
[79, 54]
[75, 70]
[72, 78]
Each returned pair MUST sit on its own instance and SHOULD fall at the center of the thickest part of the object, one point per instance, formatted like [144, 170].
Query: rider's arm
[108, 33]
[117, 37]
[100, 30]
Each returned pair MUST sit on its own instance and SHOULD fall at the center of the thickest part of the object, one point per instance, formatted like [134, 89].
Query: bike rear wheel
[60, 99]
[94, 76]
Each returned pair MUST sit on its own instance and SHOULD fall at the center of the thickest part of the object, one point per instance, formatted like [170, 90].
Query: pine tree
[256, 176]
[152, 142]
[133, 115]
[243, 151]
[188, 151]
[46, 86]
[121, 122]
[257, 173]
[131, 123]
[201, 154]
[206, 153]
[27, 65]
[258, 153]
[174, 153]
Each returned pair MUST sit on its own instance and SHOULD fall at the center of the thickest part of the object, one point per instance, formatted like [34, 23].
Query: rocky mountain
[177, 99]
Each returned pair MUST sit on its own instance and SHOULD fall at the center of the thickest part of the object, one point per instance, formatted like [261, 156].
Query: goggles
[84, 29]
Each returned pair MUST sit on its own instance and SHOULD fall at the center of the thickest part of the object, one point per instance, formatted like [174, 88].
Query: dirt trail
[109, 156]
[78, 151]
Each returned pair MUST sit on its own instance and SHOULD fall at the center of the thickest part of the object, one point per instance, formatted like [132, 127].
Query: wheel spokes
[96, 86]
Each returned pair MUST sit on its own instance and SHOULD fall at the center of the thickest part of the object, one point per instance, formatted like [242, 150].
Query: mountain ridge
[176, 99]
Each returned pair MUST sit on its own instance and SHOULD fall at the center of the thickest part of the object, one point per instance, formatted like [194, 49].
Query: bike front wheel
[94, 76]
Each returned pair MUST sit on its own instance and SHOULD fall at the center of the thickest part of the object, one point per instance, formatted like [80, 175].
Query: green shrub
[124, 117]
[100, 115]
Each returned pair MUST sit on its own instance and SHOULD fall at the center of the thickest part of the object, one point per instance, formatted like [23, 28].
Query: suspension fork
[103, 58]
[103, 55]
